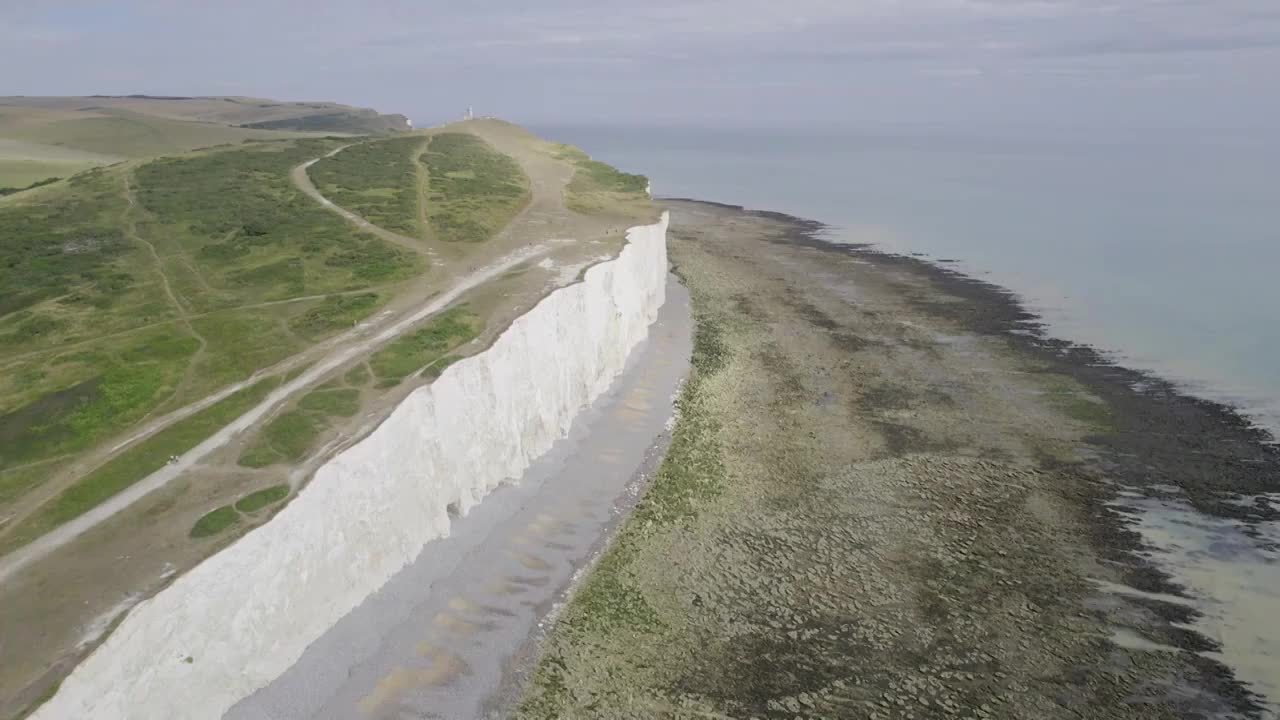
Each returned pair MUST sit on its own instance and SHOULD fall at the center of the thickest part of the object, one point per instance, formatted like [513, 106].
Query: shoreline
[1211, 452]
[1143, 451]
[1228, 404]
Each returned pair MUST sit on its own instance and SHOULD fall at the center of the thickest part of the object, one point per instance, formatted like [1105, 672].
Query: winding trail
[184, 316]
[354, 343]
[303, 182]
[193, 316]
[324, 358]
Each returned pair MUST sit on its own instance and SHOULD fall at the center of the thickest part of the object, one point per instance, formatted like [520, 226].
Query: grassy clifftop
[597, 186]
[42, 137]
[130, 291]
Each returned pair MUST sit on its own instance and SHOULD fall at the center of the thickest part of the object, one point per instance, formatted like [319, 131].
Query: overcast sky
[1066, 63]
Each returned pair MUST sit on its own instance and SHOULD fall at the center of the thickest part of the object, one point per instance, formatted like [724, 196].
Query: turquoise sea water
[1161, 248]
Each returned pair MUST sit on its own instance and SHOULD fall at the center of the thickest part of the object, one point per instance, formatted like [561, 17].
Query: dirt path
[420, 178]
[184, 316]
[303, 182]
[192, 316]
[348, 346]
[131, 232]
[64, 594]
[32, 501]
[405, 311]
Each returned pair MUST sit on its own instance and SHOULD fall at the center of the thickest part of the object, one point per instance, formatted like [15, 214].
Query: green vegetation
[474, 190]
[334, 313]
[16, 481]
[597, 186]
[255, 501]
[342, 402]
[44, 697]
[433, 371]
[64, 244]
[358, 122]
[291, 434]
[254, 234]
[91, 342]
[608, 604]
[1074, 401]
[215, 521]
[127, 384]
[358, 375]
[135, 463]
[414, 351]
[38, 183]
[377, 180]
[123, 134]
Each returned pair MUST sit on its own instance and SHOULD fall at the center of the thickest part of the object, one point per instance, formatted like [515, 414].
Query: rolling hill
[42, 137]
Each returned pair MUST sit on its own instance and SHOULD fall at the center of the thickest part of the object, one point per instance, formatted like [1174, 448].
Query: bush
[255, 501]
[410, 353]
[215, 521]
[376, 180]
[475, 190]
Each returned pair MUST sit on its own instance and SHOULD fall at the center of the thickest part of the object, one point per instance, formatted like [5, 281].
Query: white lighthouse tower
[470, 115]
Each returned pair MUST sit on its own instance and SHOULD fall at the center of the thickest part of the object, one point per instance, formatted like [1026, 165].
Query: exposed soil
[891, 495]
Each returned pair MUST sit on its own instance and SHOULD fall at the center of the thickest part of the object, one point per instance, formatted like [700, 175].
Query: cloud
[610, 57]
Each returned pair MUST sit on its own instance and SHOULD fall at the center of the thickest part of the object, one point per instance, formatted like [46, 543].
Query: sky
[1135, 64]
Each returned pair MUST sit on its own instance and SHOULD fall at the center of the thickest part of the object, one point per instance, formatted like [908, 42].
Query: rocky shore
[891, 494]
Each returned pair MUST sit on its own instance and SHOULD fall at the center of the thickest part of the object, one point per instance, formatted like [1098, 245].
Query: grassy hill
[43, 137]
[378, 180]
[135, 289]
[147, 303]
[225, 110]
[474, 189]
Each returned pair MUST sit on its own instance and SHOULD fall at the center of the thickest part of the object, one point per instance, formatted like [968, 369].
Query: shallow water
[1160, 248]
[1232, 573]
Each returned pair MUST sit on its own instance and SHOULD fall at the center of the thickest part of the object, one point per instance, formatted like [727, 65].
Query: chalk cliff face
[239, 619]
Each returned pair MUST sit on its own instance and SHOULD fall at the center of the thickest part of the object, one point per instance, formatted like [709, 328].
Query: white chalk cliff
[244, 615]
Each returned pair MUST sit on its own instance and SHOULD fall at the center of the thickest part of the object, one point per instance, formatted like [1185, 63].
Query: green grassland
[226, 516]
[473, 190]
[255, 501]
[90, 341]
[291, 434]
[42, 142]
[215, 521]
[132, 135]
[597, 187]
[225, 111]
[29, 186]
[334, 313]
[135, 463]
[426, 346]
[377, 180]
[235, 214]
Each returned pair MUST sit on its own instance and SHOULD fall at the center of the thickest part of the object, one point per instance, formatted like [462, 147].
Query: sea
[1159, 248]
